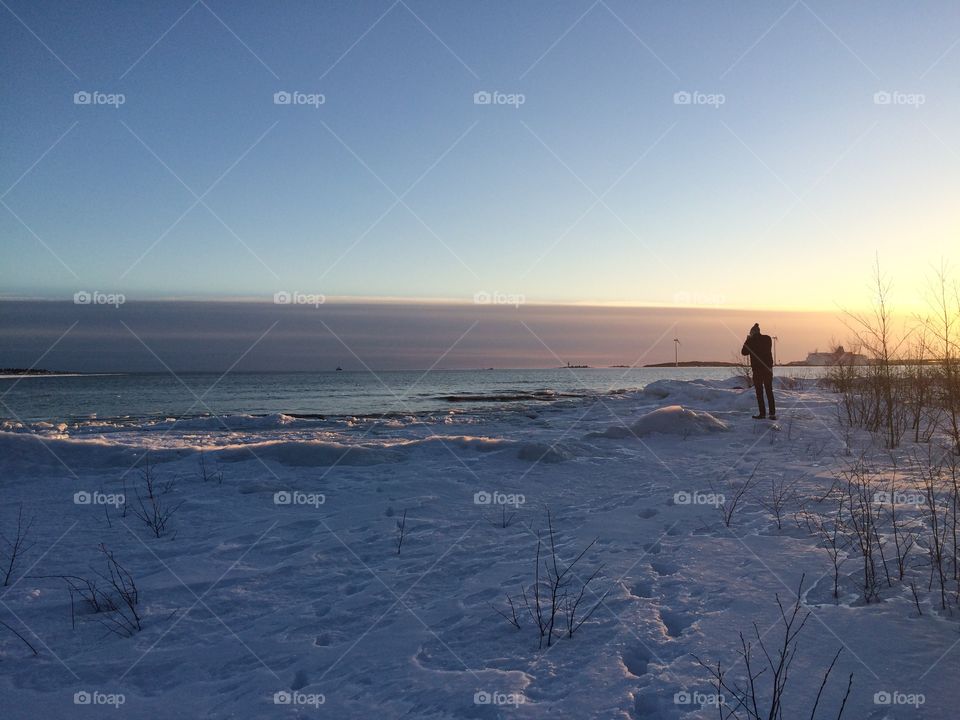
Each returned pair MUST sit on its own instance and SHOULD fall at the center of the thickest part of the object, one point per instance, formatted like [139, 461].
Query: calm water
[326, 394]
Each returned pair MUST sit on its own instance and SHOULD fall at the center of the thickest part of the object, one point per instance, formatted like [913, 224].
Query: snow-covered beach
[283, 585]
[441, 360]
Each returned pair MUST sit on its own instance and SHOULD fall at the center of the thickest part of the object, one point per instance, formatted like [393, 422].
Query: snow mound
[229, 422]
[695, 390]
[541, 452]
[463, 442]
[670, 420]
[732, 393]
[310, 453]
[32, 450]
[531, 451]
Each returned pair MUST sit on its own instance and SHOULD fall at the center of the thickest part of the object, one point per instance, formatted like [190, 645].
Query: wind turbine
[676, 352]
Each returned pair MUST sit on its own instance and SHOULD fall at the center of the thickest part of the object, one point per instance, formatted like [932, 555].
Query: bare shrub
[153, 506]
[512, 617]
[505, 519]
[936, 514]
[556, 594]
[782, 492]
[746, 696]
[945, 302]
[743, 370]
[878, 392]
[571, 604]
[860, 489]
[919, 386]
[795, 383]
[17, 545]
[843, 378]
[125, 618]
[830, 529]
[731, 494]
[904, 538]
[110, 594]
[209, 472]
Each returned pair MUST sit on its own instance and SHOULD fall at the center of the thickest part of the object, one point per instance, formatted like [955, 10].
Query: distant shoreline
[717, 363]
[695, 363]
[8, 373]
[12, 373]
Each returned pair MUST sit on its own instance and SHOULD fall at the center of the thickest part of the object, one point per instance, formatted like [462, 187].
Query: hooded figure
[759, 347]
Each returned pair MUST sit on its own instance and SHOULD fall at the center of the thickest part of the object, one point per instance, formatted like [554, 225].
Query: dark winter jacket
[758, 347]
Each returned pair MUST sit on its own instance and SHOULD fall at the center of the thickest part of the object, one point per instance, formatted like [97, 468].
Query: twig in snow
[25, 641]
[17, 546]
[401, 530]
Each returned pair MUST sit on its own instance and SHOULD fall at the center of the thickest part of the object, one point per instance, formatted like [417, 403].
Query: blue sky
[779, 197]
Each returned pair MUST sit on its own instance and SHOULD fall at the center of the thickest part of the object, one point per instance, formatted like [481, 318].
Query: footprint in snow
[326, 639]
[300, 680]
[676, 622]
[656, 703]
[637, 657]
[642, 589]
[664, 568]
[353, 588]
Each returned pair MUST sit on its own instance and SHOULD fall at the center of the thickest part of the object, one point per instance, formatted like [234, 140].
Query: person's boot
[759, 417]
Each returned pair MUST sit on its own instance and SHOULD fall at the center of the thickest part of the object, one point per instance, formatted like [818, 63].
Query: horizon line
[419, 301]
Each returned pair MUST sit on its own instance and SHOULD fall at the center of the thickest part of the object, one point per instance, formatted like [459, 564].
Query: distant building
[837, 357]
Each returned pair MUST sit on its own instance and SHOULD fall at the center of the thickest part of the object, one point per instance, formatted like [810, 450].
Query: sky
[756, 155]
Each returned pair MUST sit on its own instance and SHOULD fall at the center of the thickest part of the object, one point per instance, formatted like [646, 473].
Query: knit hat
[755, 330]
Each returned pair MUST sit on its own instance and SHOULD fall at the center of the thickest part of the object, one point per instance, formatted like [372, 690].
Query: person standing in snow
[758, 347]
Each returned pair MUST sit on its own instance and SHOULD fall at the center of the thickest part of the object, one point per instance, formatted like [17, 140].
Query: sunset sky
[817, 135]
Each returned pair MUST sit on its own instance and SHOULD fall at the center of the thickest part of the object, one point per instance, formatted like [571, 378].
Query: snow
[670, 420]
[285, 577]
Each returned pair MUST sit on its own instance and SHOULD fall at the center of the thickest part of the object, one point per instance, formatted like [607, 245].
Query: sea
[148, 397]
